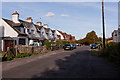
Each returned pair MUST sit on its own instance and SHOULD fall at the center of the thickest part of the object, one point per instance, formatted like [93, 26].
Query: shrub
[111, 52]
[34, 53]
[48, 44]
[23, 55]
[7, 58]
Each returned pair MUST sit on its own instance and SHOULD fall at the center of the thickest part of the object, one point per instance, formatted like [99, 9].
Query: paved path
[65, 64]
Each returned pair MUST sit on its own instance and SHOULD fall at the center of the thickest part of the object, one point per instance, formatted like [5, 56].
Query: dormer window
[42, 33]
[32, 31]
[22, 29]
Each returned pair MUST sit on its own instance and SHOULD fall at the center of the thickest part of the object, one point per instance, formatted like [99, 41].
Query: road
[77, 63]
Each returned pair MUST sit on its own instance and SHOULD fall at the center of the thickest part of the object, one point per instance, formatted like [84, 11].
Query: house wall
[50, 36]
[0, 45]
[8, 30]
[115, 37]
[119, 34]
[55, 35]
[44, 35]
[35, 31]
[59, 34]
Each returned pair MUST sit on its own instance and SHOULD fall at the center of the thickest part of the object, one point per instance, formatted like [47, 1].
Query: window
[42, 33]
[32, 31]
[28, 31]
[21, 41]
[22, 29]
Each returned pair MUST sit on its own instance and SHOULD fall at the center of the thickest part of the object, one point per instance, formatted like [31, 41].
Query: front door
[8, 43]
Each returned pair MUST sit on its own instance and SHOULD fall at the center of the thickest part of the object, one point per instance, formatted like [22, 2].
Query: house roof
[47, 30]
[26, 24]
[53, 31]
[14, 25]
[38, 27]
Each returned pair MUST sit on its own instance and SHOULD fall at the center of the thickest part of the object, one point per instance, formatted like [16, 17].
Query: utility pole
[103, 23]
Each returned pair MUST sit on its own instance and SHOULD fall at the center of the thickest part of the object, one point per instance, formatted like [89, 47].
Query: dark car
[93, 46]
[68, 47]
[74, 46]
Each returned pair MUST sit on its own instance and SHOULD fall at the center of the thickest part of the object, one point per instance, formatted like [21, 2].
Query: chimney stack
[39, 23]
[29, 19]
[15, 17]
[45, 26]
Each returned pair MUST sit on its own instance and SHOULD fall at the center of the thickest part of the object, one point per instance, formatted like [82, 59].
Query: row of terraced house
[19, 32]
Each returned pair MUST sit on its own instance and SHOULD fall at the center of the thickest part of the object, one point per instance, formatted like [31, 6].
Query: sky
[75, 18]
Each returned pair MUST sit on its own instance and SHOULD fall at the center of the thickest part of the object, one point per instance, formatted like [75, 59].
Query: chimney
[45, 26]
[15, 17]
[39, 23]
[29, 19]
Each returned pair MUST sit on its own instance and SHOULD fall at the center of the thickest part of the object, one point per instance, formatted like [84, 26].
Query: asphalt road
[77, 63]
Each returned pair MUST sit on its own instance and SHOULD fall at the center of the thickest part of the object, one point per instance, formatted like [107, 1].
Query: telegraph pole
[103, 23]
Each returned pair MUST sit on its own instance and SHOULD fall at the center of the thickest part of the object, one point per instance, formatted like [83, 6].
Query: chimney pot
[39, 23]
[29, 19]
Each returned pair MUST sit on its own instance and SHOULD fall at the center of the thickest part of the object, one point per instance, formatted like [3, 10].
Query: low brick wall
[31, 49]
[21, 49]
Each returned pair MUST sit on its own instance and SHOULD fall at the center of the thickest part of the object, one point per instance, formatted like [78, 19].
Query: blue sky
[76, 18]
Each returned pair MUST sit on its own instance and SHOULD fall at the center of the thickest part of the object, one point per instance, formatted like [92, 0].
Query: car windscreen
[67, 45]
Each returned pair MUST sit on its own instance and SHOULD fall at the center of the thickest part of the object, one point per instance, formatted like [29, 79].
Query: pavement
[77, 63]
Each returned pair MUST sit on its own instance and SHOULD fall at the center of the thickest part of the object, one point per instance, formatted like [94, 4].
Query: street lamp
[103, 23]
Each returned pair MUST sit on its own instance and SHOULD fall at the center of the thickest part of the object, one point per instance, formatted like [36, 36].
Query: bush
[48, 44]
[7, 58]
[23, 55]
[111, 52]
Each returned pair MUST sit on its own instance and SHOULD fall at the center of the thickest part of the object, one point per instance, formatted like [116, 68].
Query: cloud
[50, 14]
[64, 15]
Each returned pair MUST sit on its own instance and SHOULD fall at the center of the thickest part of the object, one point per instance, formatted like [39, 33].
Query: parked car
[78, 44]
[68, 47]
[74, 46]
[93, 46]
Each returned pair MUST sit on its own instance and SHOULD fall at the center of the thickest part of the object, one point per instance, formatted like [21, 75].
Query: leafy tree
[90, 38]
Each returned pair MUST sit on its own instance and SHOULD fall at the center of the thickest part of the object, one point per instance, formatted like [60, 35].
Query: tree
[90, 38]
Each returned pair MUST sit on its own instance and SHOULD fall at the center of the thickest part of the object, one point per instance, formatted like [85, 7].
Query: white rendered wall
[8, 30]
[59, 34]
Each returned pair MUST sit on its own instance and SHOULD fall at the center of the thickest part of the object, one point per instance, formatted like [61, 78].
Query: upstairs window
[42, 33]
[22, 29]
[32, 31]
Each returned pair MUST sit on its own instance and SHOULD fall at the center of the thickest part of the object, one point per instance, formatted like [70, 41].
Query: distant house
[73, 38]
[115, 36]
[109, 40]
[60, 35]
[119, 33]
